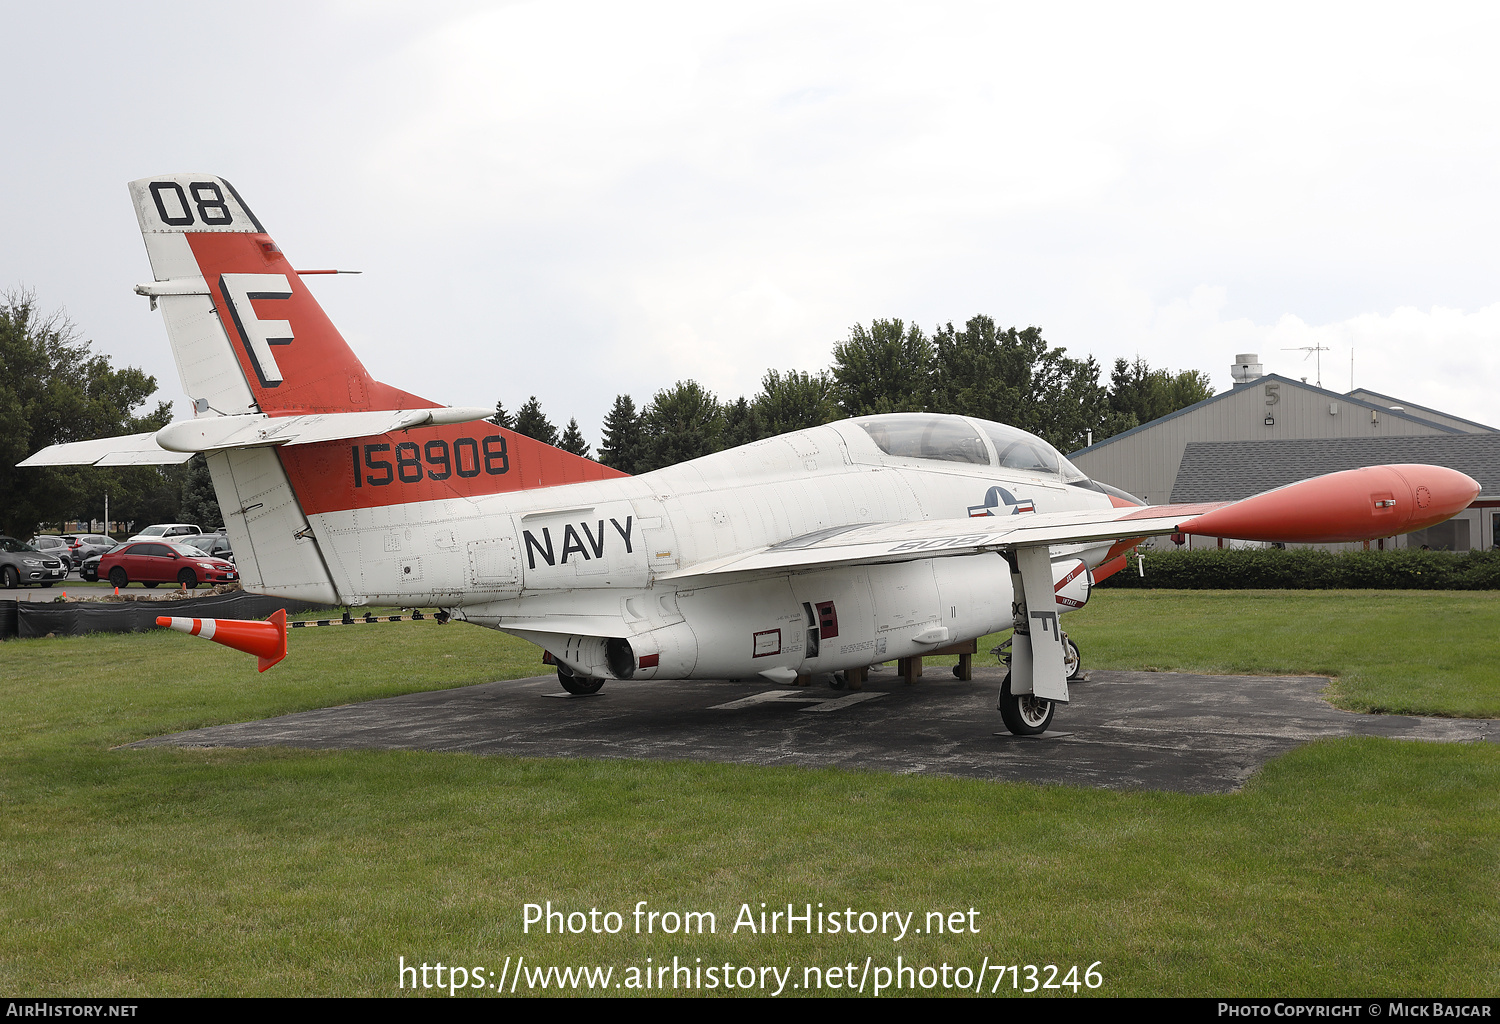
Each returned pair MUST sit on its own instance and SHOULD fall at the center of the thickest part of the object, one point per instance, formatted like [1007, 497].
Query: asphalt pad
[1121, 730]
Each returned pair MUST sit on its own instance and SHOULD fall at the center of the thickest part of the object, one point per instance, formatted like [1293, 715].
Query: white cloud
[1446, 359]
[576, 198]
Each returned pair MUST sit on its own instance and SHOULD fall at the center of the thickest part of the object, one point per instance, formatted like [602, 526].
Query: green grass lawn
[1348, 867]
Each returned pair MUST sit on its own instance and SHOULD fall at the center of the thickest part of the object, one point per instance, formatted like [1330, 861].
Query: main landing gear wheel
[578, 686]
[1024, 714]
[1072, 660]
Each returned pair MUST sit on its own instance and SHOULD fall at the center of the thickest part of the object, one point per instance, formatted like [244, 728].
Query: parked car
[22, 565]
[87, 545]
[89, 570]
[57, 547]
[151, 563]
[167, 530]
[216, 544]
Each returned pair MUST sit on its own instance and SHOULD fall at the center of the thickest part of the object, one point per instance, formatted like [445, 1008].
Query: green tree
[572, 440]
[54, 390]
[1013, 376]
[531, 422]
[681, 423]
[622, 444]
[887, 368]
[1139, 394]
[199, 504]
[742, 424]
[503, 418]
[795, 400]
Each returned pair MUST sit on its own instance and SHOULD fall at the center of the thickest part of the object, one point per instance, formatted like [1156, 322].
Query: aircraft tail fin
[247, 333]
[251, 342]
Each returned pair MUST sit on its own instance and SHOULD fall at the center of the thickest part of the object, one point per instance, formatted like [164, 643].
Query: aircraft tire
[1072, 661]
[579, 686]
[1024, 715]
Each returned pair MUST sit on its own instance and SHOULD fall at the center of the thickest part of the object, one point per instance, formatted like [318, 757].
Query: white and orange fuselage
[816, 551]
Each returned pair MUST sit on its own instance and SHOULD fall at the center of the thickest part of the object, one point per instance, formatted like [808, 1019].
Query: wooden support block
[910, 669]
[856, 678]
[965, 666]
[803, 679]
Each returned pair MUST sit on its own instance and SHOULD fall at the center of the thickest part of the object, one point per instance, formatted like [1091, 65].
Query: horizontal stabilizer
[130, 450]
[177, 442]
[215, 433]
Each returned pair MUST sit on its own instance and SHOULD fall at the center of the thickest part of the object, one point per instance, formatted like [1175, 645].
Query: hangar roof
[1437, 415]
[1352, 398]
[1230, 470]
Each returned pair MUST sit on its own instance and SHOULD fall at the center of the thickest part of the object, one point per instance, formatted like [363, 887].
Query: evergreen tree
[531, 422]
[1139, 394]
[199, 503]
[620, 447]
[742, 424]
[681, 423]
[885, 369]
[795, 400]
[503, 418]
[572, 440]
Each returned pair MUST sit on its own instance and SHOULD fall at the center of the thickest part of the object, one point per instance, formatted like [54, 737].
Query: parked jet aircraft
[815, 552]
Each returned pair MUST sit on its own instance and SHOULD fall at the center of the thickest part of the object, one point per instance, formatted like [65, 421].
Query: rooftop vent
[1246, 368]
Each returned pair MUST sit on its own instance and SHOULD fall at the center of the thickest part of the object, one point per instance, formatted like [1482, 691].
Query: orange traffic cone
[266, 640]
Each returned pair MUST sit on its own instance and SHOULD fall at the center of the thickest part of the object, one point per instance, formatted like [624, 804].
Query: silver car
[22, 565]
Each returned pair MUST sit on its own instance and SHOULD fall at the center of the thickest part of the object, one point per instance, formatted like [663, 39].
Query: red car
[150, 562]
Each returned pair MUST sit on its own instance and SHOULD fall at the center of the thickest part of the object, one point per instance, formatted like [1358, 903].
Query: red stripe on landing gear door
[1070, 577]
[458, 460]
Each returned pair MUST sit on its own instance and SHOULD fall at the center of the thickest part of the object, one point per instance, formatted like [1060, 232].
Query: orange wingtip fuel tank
[266, 640]
[1356, 504]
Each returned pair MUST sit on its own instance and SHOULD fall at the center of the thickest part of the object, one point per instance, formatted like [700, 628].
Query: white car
[169, 530]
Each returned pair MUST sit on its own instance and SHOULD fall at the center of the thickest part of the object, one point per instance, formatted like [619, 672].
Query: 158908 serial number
[435, 460]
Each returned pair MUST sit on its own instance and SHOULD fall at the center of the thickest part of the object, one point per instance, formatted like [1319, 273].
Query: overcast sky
[579, 199]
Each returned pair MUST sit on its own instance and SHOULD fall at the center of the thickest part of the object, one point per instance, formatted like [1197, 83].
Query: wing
[1357, 504]
[1354, 505]
[903, 542]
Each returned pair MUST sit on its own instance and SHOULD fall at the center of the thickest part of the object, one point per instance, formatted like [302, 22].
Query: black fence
[34, 619]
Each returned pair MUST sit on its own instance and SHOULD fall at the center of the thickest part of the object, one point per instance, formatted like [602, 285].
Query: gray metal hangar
[1270, 430]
